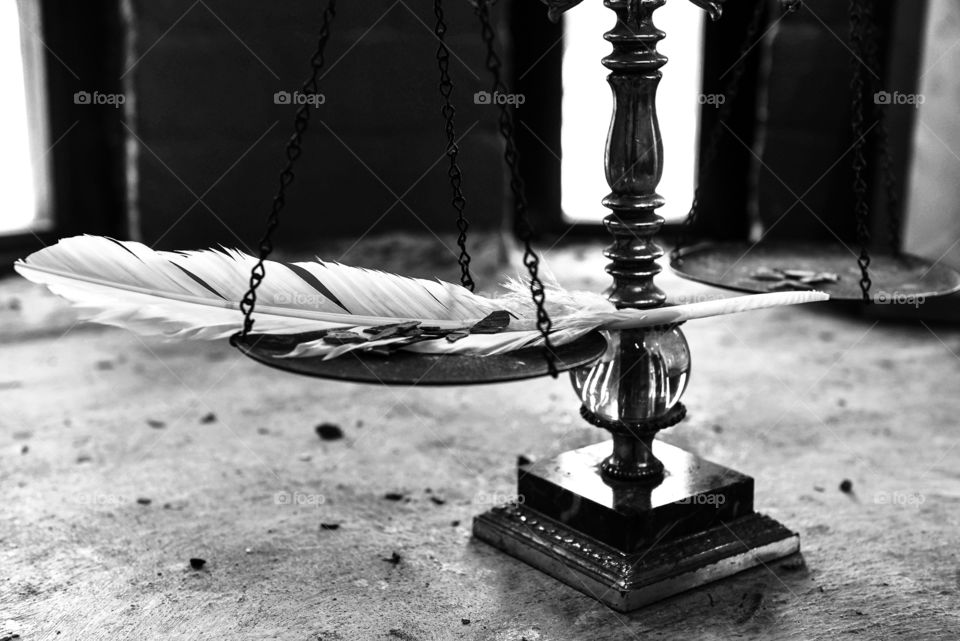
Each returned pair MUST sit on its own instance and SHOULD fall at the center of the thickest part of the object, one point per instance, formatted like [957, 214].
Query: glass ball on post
[634, 393]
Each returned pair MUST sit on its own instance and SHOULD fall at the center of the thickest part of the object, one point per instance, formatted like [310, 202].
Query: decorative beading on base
[638, 428]
[628, 581]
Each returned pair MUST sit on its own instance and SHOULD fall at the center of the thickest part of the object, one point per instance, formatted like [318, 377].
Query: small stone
[394, 558]
[197, 564]
[248, 551]
[329, 432]
[465, 621]
[343, 338]
[24, 449]
[155, 424]
[144, 501]
[388, 331]
[791, 285]
[437, 500]
[208, 418]
[818, 488]
[454, 523]
[84, 458]
[846, 486]
[767, 274]
[493, 324]
[394, 496]
[329, 526]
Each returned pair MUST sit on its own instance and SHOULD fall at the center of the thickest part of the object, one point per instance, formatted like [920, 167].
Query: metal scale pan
[894, 278]
[410, 368]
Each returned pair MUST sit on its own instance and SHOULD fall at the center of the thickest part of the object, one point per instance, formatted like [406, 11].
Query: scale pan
[409, 368]
[732, 265]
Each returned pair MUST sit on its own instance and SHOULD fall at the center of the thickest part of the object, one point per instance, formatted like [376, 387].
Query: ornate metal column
[637, 393]
[634, 520]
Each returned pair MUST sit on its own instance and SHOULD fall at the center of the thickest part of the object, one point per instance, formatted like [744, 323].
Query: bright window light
[587, 104]
[21, 210]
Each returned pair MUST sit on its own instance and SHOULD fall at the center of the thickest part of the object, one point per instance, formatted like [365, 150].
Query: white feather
[196, 294]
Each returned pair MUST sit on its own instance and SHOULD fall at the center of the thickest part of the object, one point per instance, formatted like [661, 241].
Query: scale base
[677, 537]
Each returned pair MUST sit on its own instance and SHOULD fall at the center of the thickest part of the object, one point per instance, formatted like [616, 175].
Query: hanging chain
[293, 150]
[730, 92]
[512, 158]
[453, 150]
[890, 184]
[857, 86]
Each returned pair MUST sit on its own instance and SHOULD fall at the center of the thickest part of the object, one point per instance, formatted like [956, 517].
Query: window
[587, 105]
[23, 156]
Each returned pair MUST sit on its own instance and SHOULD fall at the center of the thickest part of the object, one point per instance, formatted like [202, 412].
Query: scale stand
[648, 520]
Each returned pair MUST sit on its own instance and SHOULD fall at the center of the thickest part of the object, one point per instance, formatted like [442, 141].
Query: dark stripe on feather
[124, 247]
[316, 284]
[199, 280]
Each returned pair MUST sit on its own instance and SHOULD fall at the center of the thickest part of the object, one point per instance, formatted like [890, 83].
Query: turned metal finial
[636, 392]
[634, 156]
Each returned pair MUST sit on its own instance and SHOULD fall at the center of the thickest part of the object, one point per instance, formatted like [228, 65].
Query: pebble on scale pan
[792, 279]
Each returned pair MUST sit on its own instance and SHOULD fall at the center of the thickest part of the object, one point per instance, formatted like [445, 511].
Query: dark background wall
[206, 125]
[205, 139]
[806, 120]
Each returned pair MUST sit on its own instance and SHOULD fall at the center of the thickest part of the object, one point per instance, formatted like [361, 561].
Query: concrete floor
[121, 458]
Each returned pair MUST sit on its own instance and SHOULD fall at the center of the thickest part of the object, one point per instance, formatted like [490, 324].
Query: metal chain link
[453, 150]
[730, 93]
[293, 151]
[512, 157]
[857, 86]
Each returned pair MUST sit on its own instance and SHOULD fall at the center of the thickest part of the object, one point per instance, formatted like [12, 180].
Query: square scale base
[629, 546]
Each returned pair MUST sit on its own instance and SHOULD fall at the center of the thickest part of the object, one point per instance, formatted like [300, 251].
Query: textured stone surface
[800, 399]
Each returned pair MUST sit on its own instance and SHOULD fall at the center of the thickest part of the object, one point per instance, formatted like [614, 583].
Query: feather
[196, 294]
